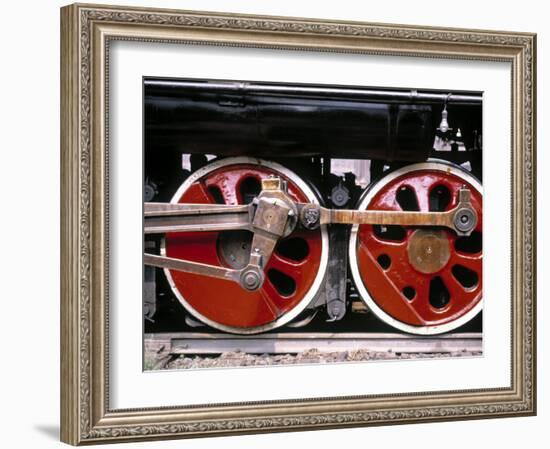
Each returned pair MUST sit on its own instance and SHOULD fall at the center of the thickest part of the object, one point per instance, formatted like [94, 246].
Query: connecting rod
[273, 215]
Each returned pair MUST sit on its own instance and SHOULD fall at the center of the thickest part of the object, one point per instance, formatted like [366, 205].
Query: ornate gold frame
[86, 31]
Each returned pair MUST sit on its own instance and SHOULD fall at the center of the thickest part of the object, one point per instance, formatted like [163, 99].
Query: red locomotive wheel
[419, 280]
[293, 274]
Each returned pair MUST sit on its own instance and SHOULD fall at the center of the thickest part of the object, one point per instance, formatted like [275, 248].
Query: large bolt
[251, 279]
[339, 195]
[310, 216]
[465, 220]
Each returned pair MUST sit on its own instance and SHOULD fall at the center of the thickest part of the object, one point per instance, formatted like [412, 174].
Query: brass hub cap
[428, 250]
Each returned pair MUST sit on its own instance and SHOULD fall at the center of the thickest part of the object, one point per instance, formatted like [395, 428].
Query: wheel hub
[234, 248]
[428, 250]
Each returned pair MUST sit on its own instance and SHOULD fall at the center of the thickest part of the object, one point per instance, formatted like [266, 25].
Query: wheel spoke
[268, 293]
[230, 194]
[420, 302]
[197, 194]
[473, 262]
[286, 266]
[226, 185]
[396, 250]
[456, 289]
[460, 296]
[422, 197]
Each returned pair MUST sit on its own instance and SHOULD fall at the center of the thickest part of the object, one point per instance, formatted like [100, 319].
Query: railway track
[210, 344]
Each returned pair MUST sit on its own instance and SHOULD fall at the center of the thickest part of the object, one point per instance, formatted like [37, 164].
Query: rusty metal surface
[191, 267]
[160, 218]
[273, 209]
[171, 209]
[446, 219]
[276, 213]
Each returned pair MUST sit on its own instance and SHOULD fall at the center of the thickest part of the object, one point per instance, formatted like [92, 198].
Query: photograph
[305, 223]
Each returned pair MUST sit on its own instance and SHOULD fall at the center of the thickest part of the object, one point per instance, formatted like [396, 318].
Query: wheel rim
[293, 274]
[419, 280]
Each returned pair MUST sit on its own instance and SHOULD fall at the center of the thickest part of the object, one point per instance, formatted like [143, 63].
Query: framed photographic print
[274, 223]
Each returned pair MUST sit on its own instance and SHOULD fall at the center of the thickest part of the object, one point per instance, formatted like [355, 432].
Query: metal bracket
[272, 215]
[335, 290]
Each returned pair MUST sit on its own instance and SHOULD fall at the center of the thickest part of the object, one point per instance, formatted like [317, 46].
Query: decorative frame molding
[86, 31]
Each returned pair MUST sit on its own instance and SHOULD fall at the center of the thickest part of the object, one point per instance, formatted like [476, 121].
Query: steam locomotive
[269, 204]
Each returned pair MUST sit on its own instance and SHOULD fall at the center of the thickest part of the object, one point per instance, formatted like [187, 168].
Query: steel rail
[198, 343]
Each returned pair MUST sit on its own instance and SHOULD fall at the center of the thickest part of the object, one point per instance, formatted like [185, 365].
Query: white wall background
[29, 281]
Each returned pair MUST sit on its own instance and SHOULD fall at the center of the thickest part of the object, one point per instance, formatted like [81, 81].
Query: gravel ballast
[240, 359]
